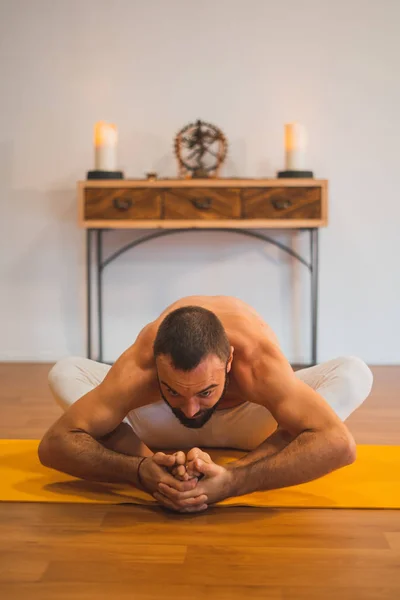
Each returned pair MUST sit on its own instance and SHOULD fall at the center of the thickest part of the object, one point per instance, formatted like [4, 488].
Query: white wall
[151, 67]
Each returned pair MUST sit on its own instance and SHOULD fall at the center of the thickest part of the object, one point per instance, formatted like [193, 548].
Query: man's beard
[203, 418]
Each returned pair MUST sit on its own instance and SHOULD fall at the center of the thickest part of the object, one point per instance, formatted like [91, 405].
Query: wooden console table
[172, 206]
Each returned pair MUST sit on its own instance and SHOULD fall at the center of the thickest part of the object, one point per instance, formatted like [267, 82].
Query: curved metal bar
[249, 233]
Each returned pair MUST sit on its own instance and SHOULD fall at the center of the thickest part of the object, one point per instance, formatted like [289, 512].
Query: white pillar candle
[105, 145]
[295, 146]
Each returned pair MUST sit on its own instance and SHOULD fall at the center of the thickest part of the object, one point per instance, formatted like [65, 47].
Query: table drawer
[122, 203]
[282, 203]
[202, 203]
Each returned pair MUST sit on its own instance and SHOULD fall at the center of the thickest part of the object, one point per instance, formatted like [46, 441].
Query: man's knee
[65, 381]
[65, 367]
[357, 378]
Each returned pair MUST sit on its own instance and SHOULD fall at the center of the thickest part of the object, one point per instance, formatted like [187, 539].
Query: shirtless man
[207, 373]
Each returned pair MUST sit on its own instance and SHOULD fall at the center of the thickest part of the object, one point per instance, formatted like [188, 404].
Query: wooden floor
[59, 552]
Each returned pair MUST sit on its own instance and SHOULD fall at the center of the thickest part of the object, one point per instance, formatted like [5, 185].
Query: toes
[193, 453]
[180, 458]
[163, 459]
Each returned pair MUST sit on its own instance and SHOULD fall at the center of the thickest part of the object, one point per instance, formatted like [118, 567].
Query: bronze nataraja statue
[200, 149]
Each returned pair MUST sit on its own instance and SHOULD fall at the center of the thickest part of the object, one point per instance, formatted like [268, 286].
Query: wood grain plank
[379, 592]
[218, 565]
[155, 591]
[137, 590]
[393, 538]
[13, 567]
[122, 203]
[198, 224]
[168, 203]
[185, 183]
[268, 528]
[282, 203]
[202, 203]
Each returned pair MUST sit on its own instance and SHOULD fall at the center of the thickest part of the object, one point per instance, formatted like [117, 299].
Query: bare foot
[175, 463]
[192, 456]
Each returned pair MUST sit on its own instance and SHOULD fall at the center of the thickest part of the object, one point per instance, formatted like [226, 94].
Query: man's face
[193, 396]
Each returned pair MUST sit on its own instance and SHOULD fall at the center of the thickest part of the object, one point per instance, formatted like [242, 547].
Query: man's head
[193, 357]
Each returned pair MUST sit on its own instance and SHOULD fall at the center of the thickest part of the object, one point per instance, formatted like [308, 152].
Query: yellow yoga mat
[373, 481]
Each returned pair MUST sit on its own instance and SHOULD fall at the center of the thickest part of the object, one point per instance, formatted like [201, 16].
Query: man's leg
[344, 382]
[73, 377]
[125, 441]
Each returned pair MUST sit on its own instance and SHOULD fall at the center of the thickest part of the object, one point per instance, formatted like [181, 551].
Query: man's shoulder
[140, 353]
[135, 366]
[142, 349]
[260, 361]
[252, 343]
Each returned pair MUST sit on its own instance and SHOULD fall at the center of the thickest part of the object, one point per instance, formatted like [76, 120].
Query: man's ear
[230, 359]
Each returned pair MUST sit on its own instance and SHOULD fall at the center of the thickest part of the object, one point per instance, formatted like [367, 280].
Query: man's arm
[273, 444]
[82, 441]
[310, 442]
[73, 444]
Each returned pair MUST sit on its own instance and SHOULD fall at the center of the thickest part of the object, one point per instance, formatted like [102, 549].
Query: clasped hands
[185, 483]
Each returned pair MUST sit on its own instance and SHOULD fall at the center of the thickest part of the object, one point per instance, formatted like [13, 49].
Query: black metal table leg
[100, 265]
[89, 292]
[314, 246]
[99, 273]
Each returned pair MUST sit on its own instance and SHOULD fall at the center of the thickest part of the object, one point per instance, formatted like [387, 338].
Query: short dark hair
[188, 335]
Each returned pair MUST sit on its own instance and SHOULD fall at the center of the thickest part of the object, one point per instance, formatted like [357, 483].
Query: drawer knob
[122, 203]
[281, 203]
[202, 203]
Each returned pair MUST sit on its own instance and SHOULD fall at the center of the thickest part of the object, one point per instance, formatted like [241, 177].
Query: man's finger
[171, 505]
[184, 503]
[198, 501]
[195, 510]
[181, 501]
[176, 495]
[180, 486]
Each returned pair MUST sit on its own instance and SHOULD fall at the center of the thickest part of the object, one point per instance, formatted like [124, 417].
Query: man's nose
[191, 409]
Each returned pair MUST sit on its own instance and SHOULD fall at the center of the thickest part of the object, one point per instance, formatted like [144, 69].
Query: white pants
[344, 383]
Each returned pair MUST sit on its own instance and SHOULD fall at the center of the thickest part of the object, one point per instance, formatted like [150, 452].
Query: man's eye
[205, 394]
[172, 393]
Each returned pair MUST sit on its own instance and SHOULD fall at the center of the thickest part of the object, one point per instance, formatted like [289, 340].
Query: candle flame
[105, 133]
[295, 136]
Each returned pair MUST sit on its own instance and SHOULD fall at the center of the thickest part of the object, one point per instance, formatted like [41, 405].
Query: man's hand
[216, 484]
[176, 467]
[155, 470]
[179, 469]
